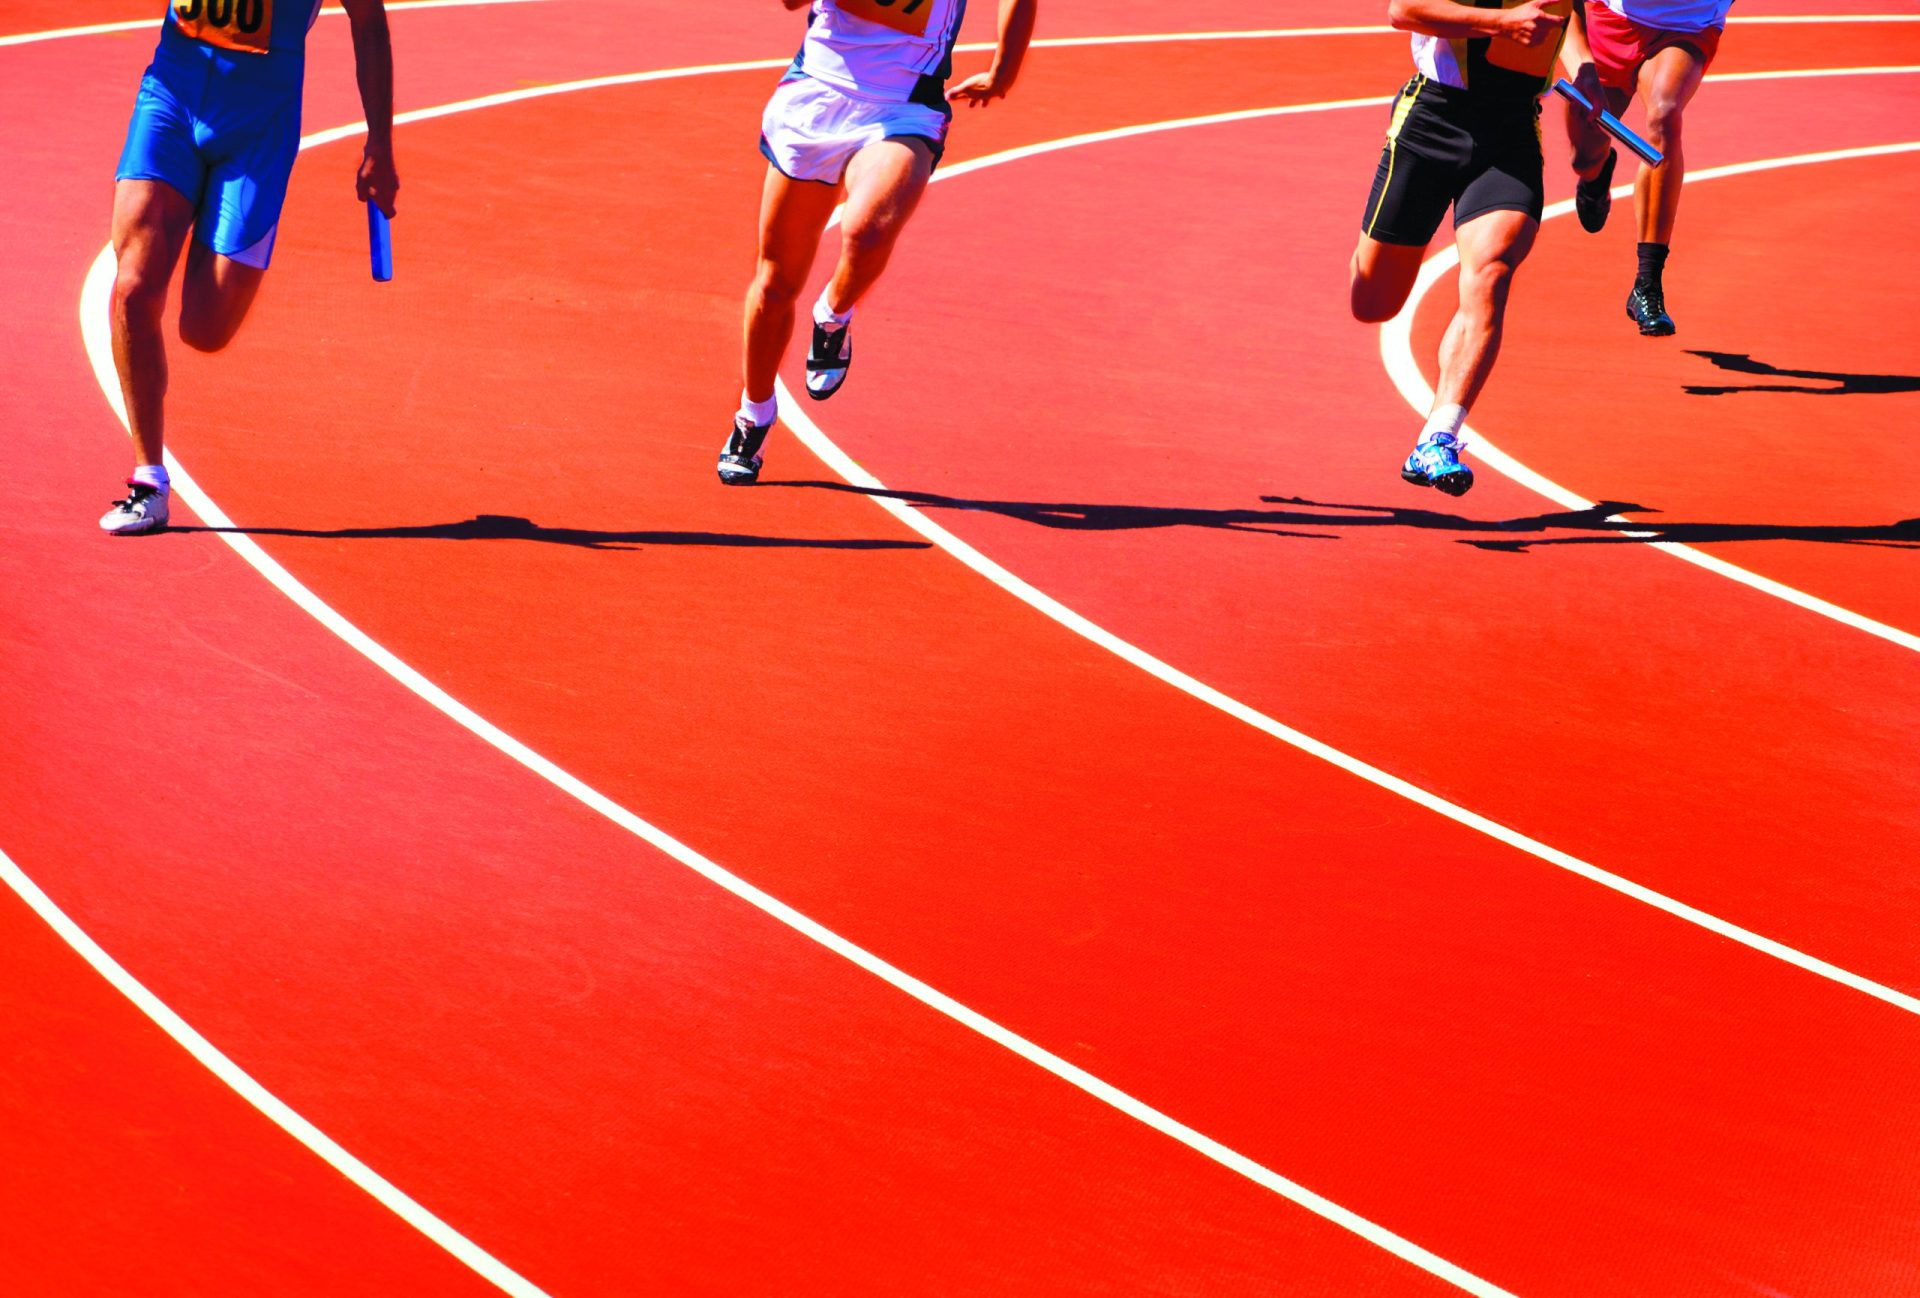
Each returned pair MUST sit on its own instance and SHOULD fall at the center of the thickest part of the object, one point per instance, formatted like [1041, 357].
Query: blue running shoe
[1435, 462]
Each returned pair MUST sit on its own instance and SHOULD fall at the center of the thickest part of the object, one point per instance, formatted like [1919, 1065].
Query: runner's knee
[1373, 302]
[867, 239]
[208, 327]
[1487, 284]
[775, 287]
[205, 335]
[139, 290]
[1663, 120]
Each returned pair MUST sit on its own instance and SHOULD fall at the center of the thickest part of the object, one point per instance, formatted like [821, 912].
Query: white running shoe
[144, 510]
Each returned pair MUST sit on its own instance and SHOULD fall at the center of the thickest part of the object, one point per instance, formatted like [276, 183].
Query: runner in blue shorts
[860, 117]
[215, 129]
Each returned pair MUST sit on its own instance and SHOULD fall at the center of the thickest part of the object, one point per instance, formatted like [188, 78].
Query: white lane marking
[797, 418]
[153, 24]
[94, 303]
[266, 1102]
[93, 315]
[1054, 42]
[1396, 350]
[1889, 69]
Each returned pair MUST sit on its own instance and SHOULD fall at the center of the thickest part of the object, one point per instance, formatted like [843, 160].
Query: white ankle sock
[1447, 419]
[759, 413]
[153, 475]
[827, 317]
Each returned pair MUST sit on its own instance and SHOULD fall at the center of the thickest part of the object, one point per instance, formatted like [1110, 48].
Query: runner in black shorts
[1465, 134]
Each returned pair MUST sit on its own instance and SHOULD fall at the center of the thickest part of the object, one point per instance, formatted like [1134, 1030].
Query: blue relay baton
[1611, 124]
[380, 243]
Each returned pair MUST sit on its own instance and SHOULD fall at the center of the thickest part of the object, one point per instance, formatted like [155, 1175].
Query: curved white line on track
[153, 24]
[94, 299]
[93, 317]
[242, 1083]
[1396, 350]
[1054, 42]
[797, 418]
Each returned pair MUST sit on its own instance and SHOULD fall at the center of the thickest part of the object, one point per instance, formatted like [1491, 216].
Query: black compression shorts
[1477, 153]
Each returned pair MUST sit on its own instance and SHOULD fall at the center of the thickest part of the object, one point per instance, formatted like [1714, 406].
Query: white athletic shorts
[811, 130]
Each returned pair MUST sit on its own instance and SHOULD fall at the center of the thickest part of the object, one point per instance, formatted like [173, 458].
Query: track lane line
[153, 24]
[276, 1110]
[1054, 42]
[810, 433]
[100, 281]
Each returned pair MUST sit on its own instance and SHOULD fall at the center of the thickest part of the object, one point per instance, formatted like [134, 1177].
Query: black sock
[1653, 260]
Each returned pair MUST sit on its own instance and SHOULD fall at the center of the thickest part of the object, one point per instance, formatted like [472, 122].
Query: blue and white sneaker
[828, 360]
[1435, 462]
[143, 510]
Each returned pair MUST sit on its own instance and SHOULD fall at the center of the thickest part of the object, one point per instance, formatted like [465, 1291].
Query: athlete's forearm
[1016, 33]
[1575, 53]
[1445, 19]
[373, 68]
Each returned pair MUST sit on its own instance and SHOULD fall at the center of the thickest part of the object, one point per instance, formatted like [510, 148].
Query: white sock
[759, 413]
[153, 475]
[826, 317]
[1447, 419]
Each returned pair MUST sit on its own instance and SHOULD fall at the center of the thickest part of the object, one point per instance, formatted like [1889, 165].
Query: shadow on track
[501, 527]
[1298, 517]
[1843, 384]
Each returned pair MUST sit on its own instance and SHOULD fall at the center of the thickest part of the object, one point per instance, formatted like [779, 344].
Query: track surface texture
[363, 956]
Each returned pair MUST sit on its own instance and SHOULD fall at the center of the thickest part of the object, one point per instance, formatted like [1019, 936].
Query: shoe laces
[1654, 295]
[827, 340]
[741, 444]
[136, 492]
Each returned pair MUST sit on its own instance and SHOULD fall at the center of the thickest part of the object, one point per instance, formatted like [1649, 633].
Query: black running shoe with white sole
[1647, 307]
[828, 360]
[1593, 199]
[143, 510]
[740, 458]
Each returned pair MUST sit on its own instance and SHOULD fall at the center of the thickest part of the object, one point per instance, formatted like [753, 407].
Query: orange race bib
[906, 16]
[242, 25]
[1537, 60]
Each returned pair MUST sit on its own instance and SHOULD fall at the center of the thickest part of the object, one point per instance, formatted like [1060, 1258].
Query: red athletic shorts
[1621, 45]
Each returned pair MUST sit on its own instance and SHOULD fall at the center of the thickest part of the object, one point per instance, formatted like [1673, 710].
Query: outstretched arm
[377, 182]
[1016, 33]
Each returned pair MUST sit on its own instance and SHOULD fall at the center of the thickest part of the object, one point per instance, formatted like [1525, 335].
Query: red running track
[618, 1079]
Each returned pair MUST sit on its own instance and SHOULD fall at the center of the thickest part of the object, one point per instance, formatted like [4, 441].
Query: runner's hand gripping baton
[380, 243]
[1611, 124]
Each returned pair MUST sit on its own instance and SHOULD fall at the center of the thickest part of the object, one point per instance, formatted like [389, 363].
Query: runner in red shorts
[1660, 48]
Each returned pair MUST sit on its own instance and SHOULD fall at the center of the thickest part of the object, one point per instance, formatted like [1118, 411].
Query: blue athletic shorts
[223, 129]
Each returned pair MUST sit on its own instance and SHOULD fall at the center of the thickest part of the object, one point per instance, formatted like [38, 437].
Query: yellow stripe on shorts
[1400, 111]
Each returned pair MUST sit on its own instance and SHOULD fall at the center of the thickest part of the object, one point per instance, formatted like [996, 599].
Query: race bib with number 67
[242, 25]
[907, 16]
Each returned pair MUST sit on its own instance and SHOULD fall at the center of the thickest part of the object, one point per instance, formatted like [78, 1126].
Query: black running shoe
[740, 458]
[1647, 307]
[1593, 199]
[828, 360]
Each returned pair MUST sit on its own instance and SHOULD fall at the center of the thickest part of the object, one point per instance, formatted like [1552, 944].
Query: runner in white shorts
[861, 116]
